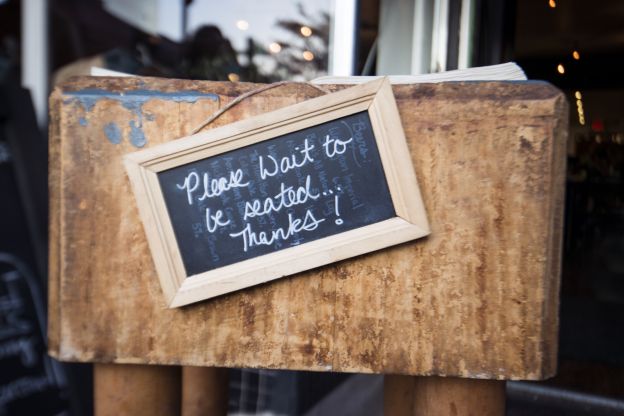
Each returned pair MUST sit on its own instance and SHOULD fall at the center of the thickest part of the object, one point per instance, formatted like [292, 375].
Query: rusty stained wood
[477, 298]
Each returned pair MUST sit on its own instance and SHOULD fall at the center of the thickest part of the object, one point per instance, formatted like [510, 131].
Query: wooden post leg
[433, 396]
[204, 391]
[136, 390]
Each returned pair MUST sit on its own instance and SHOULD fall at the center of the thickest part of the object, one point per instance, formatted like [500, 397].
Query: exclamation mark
[338, 220]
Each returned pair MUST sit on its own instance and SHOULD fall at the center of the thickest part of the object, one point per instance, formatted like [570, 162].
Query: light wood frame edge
[375, 97]
[395, 157]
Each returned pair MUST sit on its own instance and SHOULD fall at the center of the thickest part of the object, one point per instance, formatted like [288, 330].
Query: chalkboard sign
[274, 195]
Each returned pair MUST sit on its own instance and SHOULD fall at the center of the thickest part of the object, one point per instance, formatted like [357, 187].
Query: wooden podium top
[477, 298]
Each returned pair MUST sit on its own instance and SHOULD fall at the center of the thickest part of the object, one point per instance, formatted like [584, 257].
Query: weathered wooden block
[477, 298]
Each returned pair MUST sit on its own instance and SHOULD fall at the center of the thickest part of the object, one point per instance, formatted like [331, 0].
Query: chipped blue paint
[113, 133]
[137, 137]
[82, 121]
[133, 101]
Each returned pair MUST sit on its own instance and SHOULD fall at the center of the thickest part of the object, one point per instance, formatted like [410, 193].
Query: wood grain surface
[204, 391]
[443, 396]
[477, 298]
[140, 390]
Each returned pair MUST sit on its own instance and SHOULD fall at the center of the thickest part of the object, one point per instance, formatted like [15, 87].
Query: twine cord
[248, 94]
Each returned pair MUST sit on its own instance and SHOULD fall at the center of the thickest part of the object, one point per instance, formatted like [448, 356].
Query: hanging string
[248, 94]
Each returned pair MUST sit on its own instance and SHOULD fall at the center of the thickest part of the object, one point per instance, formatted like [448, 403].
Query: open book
[509, 71]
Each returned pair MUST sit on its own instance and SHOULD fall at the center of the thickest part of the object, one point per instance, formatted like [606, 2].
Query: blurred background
[576, 45]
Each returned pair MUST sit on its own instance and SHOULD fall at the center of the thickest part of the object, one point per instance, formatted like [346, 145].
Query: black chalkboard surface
[276, 194]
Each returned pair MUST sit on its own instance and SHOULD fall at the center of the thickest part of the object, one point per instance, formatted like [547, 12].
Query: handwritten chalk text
[286, 198]
[295, 225]
[211, 186]
[286, 163]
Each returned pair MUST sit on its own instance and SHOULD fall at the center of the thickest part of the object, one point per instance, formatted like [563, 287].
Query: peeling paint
[113, 133]
[82, 121]
[132, 100]
[137, 137]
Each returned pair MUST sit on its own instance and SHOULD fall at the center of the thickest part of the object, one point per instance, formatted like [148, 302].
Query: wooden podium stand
[450, 317]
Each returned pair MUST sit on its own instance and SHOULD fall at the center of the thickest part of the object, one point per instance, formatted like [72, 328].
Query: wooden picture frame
[374, 97]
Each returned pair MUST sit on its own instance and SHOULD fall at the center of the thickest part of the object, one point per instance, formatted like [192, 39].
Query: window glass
[258, 41]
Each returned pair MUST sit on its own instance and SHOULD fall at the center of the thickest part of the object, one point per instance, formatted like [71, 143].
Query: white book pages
[509, 71]
[103, 72]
